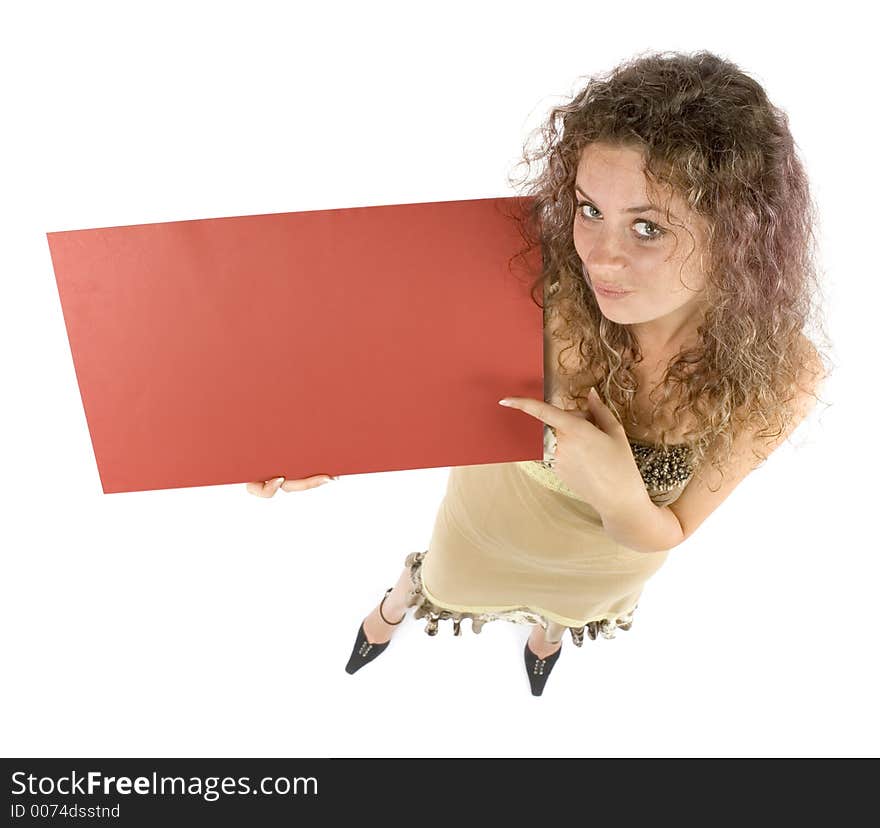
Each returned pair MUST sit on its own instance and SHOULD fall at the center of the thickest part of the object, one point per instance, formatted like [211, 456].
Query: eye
[584, 204]
[655, 232]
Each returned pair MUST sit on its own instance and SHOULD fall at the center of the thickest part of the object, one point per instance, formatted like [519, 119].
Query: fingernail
[505, 401]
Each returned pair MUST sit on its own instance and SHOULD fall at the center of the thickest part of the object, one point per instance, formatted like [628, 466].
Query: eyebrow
[642, 208]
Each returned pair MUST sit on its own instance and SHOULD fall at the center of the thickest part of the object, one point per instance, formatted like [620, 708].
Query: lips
[606, 288]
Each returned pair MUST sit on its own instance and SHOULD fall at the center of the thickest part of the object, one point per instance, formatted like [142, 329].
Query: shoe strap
[382, 615]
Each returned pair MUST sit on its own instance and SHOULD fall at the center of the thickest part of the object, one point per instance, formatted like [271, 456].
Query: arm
[642, 525]
[645, 527]
[553, 347]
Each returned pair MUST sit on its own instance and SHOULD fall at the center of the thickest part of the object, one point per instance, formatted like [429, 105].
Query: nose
[604, 256]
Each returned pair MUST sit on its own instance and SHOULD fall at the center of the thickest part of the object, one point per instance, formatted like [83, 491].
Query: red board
[340, 341]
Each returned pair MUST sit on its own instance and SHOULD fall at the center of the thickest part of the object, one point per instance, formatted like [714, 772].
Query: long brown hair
[708, 131]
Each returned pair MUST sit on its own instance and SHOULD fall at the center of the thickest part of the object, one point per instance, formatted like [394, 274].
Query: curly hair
[709, 132]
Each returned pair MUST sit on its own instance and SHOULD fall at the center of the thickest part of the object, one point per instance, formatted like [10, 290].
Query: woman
[676, 227]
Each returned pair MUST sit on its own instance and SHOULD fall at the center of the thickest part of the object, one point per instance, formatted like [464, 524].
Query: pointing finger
[543, 411]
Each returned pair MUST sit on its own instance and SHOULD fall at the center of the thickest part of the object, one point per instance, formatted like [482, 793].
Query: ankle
[391, 612]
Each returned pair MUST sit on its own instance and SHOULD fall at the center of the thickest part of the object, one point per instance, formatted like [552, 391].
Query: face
[637, 251]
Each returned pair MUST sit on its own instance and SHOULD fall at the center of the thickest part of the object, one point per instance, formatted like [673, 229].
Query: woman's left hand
[594, 461]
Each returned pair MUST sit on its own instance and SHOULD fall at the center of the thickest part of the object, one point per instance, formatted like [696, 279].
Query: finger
[559, 418]
[305, 483]
[602, 414]
[267, 489]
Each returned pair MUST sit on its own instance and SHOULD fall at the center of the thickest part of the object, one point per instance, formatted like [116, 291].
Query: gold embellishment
[661, 469]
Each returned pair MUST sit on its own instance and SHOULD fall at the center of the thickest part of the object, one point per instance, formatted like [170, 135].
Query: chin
[614, 313]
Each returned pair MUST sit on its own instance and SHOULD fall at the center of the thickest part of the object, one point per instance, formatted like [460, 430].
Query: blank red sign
[341, 341]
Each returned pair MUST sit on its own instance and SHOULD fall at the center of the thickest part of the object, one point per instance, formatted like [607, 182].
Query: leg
[554, 632]
[394, 609]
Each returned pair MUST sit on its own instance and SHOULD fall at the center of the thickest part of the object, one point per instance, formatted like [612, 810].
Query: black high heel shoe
[363, 651]
[538, 669]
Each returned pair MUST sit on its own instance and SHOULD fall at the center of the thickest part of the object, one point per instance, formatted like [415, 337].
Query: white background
[207, 622]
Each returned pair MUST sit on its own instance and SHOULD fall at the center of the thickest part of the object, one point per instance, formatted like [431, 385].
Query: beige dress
[511, 541]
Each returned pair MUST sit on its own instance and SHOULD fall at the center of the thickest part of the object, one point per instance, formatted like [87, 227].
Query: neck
[669, 332]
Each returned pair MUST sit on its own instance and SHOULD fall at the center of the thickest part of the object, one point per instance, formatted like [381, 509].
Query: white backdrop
[208, 622]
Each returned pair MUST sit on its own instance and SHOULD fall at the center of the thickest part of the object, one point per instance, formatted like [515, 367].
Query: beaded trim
[662, 470]
[425, 608]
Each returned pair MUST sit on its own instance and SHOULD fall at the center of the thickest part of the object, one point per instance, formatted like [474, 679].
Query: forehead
[616, 174]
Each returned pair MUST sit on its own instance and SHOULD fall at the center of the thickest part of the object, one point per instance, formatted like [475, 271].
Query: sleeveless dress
[511, 541]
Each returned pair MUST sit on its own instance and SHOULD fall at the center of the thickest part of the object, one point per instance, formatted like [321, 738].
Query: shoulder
[811, 375]
[704, 494]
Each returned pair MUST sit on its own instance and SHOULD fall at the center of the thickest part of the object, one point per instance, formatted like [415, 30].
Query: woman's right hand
[269, 487]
